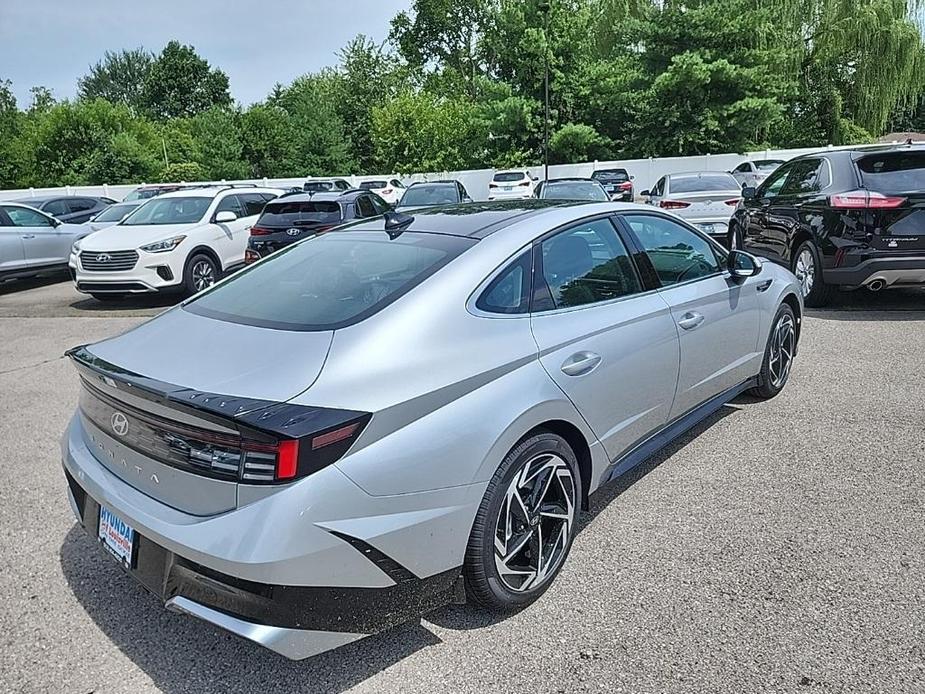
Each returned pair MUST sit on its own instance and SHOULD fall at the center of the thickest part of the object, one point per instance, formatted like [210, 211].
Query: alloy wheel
[203, 275]
[535, 523]
[780, 358]
[805, 270]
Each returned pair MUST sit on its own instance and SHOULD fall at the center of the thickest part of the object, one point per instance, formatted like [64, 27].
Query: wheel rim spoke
[780, 357]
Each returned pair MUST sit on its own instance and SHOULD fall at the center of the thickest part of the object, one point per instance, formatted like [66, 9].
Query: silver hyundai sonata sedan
[409, 411]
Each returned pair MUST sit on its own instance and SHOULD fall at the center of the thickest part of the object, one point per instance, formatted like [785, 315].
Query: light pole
[544, 8]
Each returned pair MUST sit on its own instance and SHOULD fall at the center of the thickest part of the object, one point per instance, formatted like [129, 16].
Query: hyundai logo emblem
[293, 232]
[103, 258]
[119, 423]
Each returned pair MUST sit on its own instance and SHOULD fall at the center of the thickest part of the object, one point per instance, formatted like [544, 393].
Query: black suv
[617, 182]
[296, 216]
[852, 217]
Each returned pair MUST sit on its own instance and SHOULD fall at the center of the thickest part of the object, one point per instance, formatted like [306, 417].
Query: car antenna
[396, 223]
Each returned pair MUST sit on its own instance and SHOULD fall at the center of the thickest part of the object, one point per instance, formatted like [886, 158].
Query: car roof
[570, 179]
[520, 171]
[20, 203]
[613, 170]
[477, 219]
[326, 196]
[697, 174]
[212, 191]
[434, 183]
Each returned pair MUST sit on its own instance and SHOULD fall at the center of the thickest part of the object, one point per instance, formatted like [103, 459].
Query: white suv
[511, 185]
[180, 241]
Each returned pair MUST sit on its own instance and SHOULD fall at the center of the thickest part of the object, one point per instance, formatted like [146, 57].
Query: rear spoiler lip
[249, 415]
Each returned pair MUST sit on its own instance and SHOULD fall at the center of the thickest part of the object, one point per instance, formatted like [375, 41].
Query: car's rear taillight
[524, 183]
[492, 185]
[626, 185]
[673, 204]
[386, 191]
[732, 202]
[260, 231]
[865, 200]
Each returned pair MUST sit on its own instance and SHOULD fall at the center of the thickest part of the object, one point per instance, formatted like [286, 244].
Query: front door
[611, 346]
[759, 238]
[42, 242]
[716, 318]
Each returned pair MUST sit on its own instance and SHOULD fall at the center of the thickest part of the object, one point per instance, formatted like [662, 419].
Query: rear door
[716, 319]
[604, 337]
[11, 245]
[899, 176]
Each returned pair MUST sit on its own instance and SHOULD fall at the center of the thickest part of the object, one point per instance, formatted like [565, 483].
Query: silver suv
[379, 420]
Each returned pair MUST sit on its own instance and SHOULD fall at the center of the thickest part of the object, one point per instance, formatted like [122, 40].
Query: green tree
[577, 142]
[10, 126]
[181, 84]
[267, 133]
[119, 77]
[219, 144]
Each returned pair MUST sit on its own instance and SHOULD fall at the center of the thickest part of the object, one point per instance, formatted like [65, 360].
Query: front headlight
[163, 246]
[75, 249]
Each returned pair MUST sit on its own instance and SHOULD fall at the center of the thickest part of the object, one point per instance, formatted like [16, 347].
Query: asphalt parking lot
[779, 547]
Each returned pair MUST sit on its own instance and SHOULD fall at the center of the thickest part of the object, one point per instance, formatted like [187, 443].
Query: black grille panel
[108, 261]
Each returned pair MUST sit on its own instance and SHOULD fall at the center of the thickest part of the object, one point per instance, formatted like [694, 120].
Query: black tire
[485, 585]
[772, 379]
[108, 298]
[820, 293]
[194, 280]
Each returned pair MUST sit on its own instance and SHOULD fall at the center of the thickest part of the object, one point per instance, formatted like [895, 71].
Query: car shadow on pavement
[185, 656]
[464, 617]
[129, 303]
[863, 305]
[13, 286]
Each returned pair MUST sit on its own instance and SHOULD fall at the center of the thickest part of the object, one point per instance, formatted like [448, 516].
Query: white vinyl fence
[645, 171]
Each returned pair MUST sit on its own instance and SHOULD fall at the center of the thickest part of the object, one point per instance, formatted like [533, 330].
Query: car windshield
[169, 211]
[768, 164]
[617, 176]
[443, 194]
[328, 281]
[703, 182]
[373, 185]
[297, 212]
[508, 177]
[316, 186]
[574, 190]
[114, 213]
[894, 172]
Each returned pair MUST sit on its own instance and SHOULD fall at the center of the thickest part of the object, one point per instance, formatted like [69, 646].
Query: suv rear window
[373, 185]
[617, 176]
[508, 177]
[329, 281]
[893, 172]
[295, 212]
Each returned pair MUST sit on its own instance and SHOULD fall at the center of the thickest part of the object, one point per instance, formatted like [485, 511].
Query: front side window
[772, 185]
[230, 203]
[509, 292]
[114, 213]
[587, 264]
[768, 165]
[169, 211]
[379, 205]
[24, 217]
[743, 168]
[677, 253]
[329, 281]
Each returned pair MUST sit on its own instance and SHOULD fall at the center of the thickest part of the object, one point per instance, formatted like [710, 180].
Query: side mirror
[225, 216]
[742, 265]
[748, 192]
[536, 178]
[632, 178]
[646, 193]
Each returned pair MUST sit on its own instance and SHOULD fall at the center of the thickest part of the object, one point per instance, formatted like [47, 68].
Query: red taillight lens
[492, 185]
[334, 436]
[865, 200]
[259, 231]
[525, 183]
[287, 459]
[626, 185]
[386, 191]
[733, 202]
[251, 256]
[673, 204]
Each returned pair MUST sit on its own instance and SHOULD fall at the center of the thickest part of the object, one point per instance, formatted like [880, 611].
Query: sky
[257, 44]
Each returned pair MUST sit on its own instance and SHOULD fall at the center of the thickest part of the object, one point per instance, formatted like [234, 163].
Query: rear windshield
[617, 176]
[373, 185]
[575, 190]
[430, 195]
[893, 172]
[329, 281]
[169, 211]
[316, 186]
[693, 184]
[296, 212]
[114, 213]
[508, 177]
[768, 164]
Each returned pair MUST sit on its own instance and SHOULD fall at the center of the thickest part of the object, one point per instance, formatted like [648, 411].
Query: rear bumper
[523, 194]
[905, 271]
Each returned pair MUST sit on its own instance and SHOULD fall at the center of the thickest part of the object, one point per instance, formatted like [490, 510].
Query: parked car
[152, 191]
[389, 190]
[431, 194]
[571, 189]
[33, 243]
[322, 185]
[850, 218]
[73, 209]
[395, 415]
[293, 218]
[181, 241]
[705, 199]
[752, 173]
[511, 185]
[108, 217]
[617, 182]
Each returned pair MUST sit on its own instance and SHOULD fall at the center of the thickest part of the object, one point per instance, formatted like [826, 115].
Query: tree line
[460, 84]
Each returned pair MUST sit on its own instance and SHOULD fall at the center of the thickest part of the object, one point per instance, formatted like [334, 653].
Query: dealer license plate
[116, 535]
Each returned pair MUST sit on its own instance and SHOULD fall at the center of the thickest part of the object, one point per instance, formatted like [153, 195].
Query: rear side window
[329, 281]
[81, 204]
[365, 207]
[56, 208]
[253, 203]
[509, 292]
[587, 264]
[893, 172]
[293, 213]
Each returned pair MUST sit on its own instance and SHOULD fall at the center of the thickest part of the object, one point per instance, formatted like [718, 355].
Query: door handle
[690, 320]
[28, 236]
[581, 363]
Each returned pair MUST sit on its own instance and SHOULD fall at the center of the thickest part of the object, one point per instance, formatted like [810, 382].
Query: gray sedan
[34, 243]
[703, 198]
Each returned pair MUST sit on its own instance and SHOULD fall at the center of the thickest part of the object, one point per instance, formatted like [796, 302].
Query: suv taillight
[865, 200]
[673, 204]
[260, 231]
[732, 202]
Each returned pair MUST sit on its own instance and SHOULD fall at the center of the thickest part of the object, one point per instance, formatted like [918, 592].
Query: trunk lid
[896, 174]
